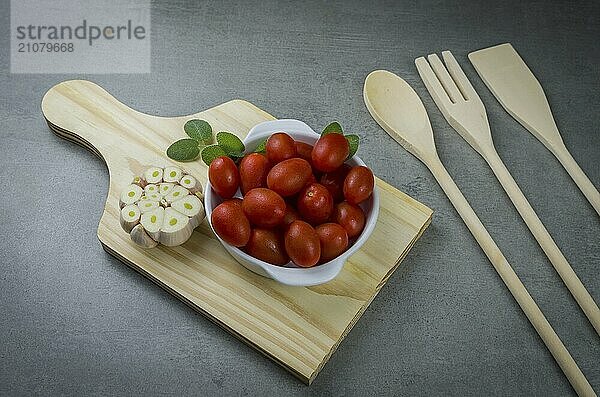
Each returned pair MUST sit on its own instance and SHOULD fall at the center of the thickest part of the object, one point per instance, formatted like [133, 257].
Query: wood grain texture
[298, 327]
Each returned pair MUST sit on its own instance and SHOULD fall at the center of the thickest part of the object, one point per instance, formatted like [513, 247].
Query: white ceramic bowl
[291, 274]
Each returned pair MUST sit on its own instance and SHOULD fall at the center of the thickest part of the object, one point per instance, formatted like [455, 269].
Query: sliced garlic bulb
[158, 207]
[130, 216]
[130, 195]
[172, 174]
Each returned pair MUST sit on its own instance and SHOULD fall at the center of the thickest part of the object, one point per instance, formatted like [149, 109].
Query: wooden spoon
[399, 111]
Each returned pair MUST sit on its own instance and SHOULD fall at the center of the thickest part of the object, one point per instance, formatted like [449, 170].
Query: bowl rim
[275, 271]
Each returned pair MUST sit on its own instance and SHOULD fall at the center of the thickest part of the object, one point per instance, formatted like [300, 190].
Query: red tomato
[334, 240]
[263, 207]
[290, 215]
[304, 150]
[254, 168]
[267, 245]
[302, 244]
[224, 177]
[330, 152]
[230, 223]
[334, 182]
[311, 179]
[237, 201]
[351, 217]
[280, 146]
[315, 204]
[289, 176]
[358, 184]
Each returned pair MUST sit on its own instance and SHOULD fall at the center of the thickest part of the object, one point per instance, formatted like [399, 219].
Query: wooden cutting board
[298, 327]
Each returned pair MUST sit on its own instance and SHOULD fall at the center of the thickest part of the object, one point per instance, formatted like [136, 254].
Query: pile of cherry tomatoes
[299, 202]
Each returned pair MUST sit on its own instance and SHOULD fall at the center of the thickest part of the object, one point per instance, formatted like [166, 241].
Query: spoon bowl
[390, 99]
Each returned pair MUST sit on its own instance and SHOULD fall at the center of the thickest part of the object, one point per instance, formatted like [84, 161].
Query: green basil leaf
[334, 127]
[230, 143]
[199, 130]
[262, 147]
[184, 150]
[353, 141]
[209, 153]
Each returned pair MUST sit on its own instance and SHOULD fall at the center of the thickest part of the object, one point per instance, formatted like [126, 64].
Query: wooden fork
[461, 106]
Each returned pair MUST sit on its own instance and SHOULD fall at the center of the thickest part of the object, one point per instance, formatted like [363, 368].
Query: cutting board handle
[83, 112]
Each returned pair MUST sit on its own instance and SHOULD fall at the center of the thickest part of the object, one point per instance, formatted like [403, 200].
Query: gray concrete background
[74, 320]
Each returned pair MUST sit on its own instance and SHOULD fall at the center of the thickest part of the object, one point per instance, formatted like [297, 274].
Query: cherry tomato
[334, 240]
[330, 152]
[254, 168]
[224, 176]
[304, 150]
[302, 244]
[315, 204]
[237, 201]
[311, 179]
[334, 182]
[280, 146]
[230, 223]
[358, 184]
[351, 217]
[267, 245]
[290, 215]
[289, 176]
[263, 207]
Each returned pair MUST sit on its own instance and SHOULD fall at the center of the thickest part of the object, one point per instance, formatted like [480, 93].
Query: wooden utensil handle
[539, 231]
[582, 181]
[512, 281]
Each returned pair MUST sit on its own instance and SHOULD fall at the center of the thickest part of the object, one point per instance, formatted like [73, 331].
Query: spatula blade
[517, 89]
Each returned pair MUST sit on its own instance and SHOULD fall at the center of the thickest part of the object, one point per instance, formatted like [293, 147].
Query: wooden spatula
[520, 93]
[397, 108]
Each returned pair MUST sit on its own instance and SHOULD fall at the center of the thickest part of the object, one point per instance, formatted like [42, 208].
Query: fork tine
[445, 79]
[459, 76]
[432, 83]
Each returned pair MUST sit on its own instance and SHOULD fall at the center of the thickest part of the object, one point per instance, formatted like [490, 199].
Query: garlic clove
[153, 175]
[176, 193]
[138, 180]
[172, 174]
[152, 197]
[140, 237]
[165, 188]
[191, 184]
[130, 195]
[151, 188]
[130, 216]
[152, 221]
[176, 228]
[192, 207]
[147, 206]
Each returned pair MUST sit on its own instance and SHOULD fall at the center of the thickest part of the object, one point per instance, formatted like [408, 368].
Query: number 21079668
[45, 47]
